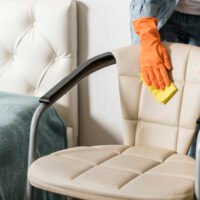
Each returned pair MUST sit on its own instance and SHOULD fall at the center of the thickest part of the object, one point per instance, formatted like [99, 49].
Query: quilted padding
[116, 172]
[38, 48]
[147, 122]
[153, 166]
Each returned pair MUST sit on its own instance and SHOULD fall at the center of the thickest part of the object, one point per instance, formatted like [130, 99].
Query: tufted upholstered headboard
[147, 122]
[38, 47]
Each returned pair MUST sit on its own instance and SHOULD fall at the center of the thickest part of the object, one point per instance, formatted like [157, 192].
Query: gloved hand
[154, 60]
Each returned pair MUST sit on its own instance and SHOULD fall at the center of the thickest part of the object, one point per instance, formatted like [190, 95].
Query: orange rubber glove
[154, 60]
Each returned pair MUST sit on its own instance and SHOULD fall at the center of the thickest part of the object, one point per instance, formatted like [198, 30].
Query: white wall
[103, 26]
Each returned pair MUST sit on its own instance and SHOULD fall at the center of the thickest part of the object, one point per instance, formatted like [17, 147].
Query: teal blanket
[15, 116]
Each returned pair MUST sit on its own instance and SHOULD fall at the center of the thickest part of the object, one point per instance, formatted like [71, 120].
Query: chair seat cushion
[116, 172]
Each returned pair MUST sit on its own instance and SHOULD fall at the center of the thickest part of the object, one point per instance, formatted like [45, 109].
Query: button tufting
[34, 24]
[55, 58]
[12, 57]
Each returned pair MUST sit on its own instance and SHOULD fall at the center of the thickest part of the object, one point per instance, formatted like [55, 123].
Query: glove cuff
[146, 29]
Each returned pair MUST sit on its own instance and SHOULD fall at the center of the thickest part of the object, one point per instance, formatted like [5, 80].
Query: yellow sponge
[165, 95]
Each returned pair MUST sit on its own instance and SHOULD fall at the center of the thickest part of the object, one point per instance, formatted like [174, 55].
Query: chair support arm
[197, 176]
[60, 89]
[54, 94]
[79, 73]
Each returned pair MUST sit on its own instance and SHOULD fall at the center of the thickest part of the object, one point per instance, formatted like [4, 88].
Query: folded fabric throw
[163, 96]
[16, 112]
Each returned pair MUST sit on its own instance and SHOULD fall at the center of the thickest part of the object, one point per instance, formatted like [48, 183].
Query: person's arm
[143, 8]
[138, 9]
[154, 60]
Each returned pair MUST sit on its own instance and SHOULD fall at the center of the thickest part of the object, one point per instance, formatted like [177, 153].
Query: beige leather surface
[154, 165]
[38, 47]
[147, 122]
[116, 172]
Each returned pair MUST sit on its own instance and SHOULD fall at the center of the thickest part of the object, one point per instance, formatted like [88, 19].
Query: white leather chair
[38, 48]
[152, 164]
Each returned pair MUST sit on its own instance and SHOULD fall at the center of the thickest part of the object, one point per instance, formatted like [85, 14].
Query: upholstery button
[56, 59]
[34, 24]
[12, 57]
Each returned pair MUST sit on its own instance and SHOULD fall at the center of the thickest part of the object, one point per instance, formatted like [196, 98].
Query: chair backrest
[38, 47]
[147, 122]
